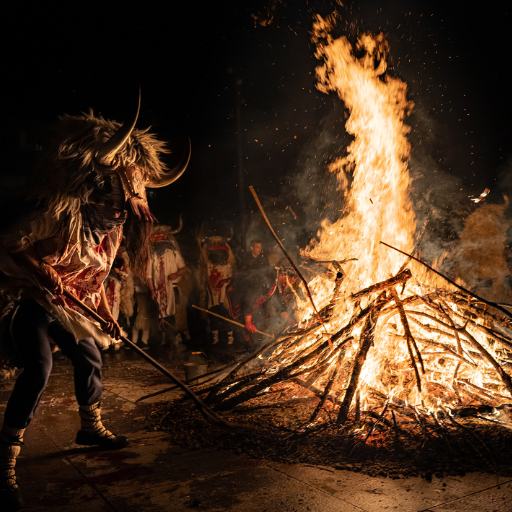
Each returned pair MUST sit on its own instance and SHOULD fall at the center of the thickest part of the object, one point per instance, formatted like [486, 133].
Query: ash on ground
[405, 448]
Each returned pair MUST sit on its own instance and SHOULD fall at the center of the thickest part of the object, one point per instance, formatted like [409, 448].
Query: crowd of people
[223, 304]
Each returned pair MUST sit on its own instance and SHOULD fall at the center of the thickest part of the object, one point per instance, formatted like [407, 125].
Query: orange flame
[376, 205]
[374, 181]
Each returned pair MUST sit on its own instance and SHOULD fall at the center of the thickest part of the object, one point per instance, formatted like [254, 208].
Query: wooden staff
[292, 263]
[488, 302]
[229, 320]
[205, 410]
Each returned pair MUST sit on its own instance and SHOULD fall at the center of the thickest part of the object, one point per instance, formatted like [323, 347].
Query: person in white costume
[164, 273]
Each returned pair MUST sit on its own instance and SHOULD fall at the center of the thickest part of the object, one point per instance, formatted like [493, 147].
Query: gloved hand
[111, 327]
[249, 325]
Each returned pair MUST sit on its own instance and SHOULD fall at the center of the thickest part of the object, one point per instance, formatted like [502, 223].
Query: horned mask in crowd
[216, 249]
[163, 233]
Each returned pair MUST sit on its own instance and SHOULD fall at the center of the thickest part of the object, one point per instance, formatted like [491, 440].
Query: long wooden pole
[207, 411]
[229, 320]
[465, 290]
[292, 263]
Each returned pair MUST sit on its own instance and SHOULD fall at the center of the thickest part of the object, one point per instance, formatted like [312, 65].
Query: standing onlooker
[281, 297]
[164, 272]
[216, 270]
[255, 259]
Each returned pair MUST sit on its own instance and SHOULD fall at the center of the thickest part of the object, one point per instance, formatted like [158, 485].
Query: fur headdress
[74, 172]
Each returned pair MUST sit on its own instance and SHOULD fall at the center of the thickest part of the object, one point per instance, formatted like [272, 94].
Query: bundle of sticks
[426, 356]
[389, 356]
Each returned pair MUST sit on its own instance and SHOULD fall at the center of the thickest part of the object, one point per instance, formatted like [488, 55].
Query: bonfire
[385, 342]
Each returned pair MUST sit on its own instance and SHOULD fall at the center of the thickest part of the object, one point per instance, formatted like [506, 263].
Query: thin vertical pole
[240, 154]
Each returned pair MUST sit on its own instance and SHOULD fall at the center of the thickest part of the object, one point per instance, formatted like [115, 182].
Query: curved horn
[108, 150]
[179, 228]
[173, 174]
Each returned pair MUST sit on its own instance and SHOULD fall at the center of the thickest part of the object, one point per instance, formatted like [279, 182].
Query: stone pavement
[152, 474]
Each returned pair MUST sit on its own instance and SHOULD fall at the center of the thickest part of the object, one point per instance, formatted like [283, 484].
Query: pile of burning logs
[457, 347]
[400, 359]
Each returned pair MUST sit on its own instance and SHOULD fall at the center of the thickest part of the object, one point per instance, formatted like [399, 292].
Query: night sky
[194, 62]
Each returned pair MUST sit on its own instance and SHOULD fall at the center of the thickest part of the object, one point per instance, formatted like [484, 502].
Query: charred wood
[364, 347]
[402, 277]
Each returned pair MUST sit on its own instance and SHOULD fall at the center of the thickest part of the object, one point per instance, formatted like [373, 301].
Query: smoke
[317, 191]
[439, 204]
[440, 160]
[309, 193]
[468, 240]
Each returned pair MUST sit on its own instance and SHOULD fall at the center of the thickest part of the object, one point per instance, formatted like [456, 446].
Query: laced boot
[94, 433]
[11, 440]
[231, 339]
[215, 335]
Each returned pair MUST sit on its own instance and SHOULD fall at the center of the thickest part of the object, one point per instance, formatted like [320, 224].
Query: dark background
[196, 62]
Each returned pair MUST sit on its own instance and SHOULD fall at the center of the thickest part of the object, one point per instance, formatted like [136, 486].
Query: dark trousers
[216, 323]
[33, 331]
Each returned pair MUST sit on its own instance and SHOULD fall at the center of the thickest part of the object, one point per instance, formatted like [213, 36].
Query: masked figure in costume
[282, 297]
[216, 268]
[126, 304]
[98, 171]
[164, 274]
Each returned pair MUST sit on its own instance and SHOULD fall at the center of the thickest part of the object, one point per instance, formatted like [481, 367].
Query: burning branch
[453, 283]
[409, 339]
[364, 347]
[402, 277]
